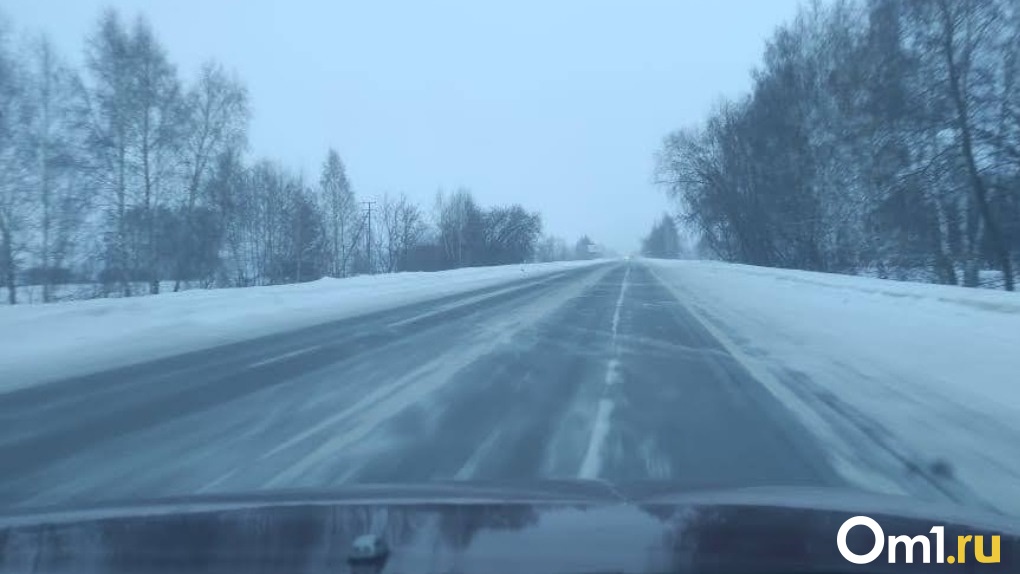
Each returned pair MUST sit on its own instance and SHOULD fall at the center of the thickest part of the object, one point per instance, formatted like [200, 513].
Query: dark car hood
[545, 527]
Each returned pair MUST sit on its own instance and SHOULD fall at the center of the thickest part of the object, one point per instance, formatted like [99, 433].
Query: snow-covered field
[44, 342]
[33, 294]
[912, 386]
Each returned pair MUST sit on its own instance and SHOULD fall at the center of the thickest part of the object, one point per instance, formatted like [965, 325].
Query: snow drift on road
[45, 342]
[914, 387]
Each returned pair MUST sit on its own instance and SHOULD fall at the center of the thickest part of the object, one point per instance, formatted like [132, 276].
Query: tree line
[124, 175]
[879, 137]
[663, 241]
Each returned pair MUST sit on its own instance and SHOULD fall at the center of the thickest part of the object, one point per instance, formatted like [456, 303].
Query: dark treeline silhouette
[125, 177]
[880, 137]
[663, 241]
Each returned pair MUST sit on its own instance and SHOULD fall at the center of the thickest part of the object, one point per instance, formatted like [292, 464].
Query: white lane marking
[619, 304]
[593, 458]
[592, 463]
[613, 372]
[284, 356]
[342, 431]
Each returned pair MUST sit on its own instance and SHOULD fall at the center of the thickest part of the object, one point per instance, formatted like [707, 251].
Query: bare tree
[460, 225]
[403, 226]
[552, 248]
[53, 140]
[108, 112]
[225, 190]
[152, 180]
[217, 113]
[340, 210]
[13, 200]
[965, 29]
[158, 123]
[510, 235]
[878, 134]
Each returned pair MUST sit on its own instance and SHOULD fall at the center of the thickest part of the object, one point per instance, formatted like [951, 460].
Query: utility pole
[368, 249]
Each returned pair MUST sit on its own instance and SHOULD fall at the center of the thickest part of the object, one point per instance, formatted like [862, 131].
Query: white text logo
[974, 541]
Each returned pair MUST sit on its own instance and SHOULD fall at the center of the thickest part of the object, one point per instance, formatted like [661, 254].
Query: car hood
[544, 527]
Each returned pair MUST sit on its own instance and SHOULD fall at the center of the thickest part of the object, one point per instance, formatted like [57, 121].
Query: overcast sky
[558, 105]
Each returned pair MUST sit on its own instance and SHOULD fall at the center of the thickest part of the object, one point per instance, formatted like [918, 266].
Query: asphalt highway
[593, 373]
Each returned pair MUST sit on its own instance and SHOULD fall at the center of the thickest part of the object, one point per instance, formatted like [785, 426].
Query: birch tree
[13, 200]
[341, 214]
[59, 193]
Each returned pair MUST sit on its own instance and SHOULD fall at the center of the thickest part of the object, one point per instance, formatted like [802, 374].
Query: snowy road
[596, 372]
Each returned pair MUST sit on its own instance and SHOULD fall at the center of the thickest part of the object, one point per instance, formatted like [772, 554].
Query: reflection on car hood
[569, 526]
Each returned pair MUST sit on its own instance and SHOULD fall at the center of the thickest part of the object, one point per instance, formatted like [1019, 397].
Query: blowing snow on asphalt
[596, 372]
[688, 372]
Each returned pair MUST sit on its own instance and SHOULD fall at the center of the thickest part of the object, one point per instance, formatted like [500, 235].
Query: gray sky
[558, 105]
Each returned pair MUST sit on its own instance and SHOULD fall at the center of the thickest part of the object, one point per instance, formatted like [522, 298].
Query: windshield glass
[254, 247]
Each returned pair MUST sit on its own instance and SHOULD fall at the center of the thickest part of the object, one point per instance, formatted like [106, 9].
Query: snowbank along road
[596, 372]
